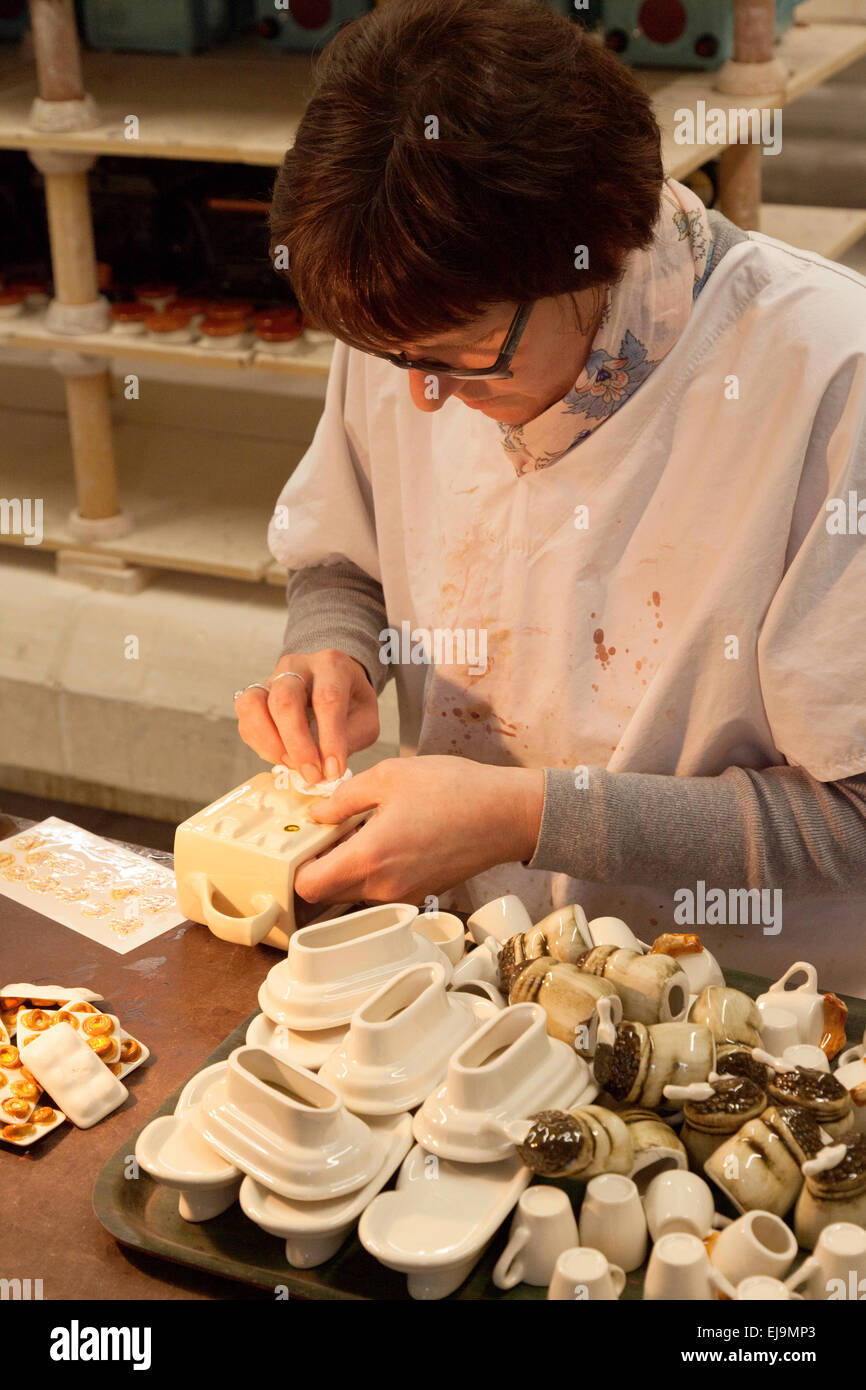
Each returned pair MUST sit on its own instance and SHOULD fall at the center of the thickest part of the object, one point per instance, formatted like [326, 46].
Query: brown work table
[181, 994]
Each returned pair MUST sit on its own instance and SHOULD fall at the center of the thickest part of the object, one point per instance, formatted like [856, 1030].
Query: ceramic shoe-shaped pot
[333, 967]
[286, 1129]
[399, 1042]
[509, 1069]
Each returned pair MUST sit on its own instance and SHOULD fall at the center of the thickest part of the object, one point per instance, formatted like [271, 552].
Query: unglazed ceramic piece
[235, 860]
[73, 1075]
[304, 1049]
[314, 1231]
[508, 1069]
[445, 931]
[287, 1129]
[333, 967]
[399, 1042]
[436, 1225]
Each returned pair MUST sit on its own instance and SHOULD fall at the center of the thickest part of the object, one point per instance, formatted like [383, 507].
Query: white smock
[703, 612]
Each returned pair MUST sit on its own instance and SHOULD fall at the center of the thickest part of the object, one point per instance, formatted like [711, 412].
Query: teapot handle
[241, 931]
[799, 967]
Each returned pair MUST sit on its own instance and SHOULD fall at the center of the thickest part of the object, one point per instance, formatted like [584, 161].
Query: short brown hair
[545, 143]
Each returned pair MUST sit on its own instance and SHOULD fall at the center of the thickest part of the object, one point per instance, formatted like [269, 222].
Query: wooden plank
[224, 107]
[29, 331]
[812, 53]
[240, 105]
[828, 231]
[832, 12]
[201, 499]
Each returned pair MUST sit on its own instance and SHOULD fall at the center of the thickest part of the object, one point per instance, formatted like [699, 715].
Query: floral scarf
[645, 313]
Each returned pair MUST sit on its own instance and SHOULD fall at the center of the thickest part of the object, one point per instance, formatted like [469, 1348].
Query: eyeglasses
[500, 371]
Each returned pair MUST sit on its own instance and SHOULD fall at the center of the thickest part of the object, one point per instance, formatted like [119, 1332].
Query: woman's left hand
[438, 821]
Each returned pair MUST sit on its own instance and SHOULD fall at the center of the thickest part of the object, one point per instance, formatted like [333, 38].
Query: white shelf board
[28, 331]
[201, 499]
[240, 105]
[829, 231]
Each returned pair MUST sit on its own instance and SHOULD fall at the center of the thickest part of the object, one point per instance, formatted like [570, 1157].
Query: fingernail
[311, 773]
[332, 768]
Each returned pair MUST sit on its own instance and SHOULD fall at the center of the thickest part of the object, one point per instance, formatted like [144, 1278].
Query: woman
[586, 437]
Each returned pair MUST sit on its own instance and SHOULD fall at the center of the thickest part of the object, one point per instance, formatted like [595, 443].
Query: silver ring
[254, 685]
[289, 673]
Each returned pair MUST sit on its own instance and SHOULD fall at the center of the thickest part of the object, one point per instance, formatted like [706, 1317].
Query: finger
[360, 793]
[362, 725]
[256, 727]
[287, 705]
[332, 686]
[339, 875]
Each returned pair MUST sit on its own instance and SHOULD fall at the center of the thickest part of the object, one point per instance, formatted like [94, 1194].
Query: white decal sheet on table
[99, 889]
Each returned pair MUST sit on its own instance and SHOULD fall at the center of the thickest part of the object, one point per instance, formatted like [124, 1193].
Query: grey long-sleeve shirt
[774, 828]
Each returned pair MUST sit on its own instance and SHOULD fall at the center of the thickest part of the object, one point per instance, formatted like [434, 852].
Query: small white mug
[501, 918]
[679, 1200]
[758, 1242]
[543, 1226]
[585, 1275]
[836, 1269]
[612, 1220]
[679, 1270]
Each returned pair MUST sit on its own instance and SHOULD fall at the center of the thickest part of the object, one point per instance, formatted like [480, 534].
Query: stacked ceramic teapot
[614, 1094]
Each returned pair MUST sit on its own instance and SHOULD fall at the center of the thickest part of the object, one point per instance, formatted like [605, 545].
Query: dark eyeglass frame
[500, 371]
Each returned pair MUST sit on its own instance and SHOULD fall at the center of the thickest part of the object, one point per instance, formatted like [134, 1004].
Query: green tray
[143, 1214]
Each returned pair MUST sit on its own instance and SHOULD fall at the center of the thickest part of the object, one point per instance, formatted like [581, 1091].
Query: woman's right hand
[334, 689]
